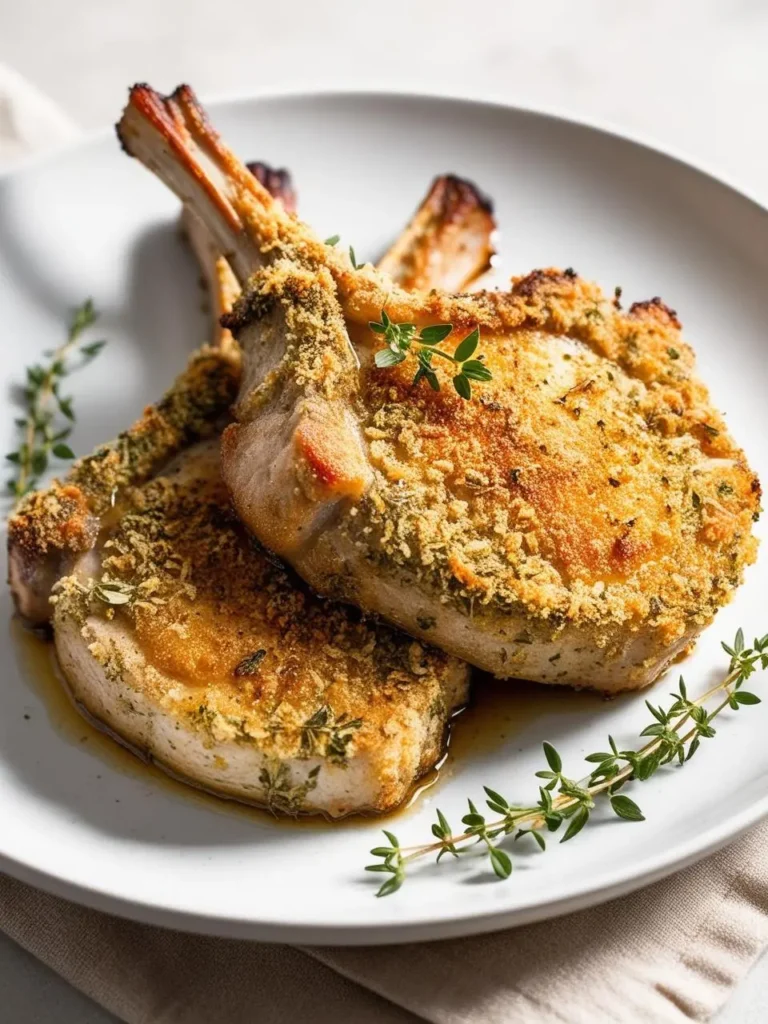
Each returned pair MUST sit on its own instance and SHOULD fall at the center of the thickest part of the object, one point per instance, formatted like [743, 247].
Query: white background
[691, 75]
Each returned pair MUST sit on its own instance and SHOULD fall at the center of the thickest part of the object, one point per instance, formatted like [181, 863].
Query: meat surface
[580, 520]
[197, 649]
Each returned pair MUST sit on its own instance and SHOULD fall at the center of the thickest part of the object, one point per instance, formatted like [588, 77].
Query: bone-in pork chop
[579, 520]
[175, 630]
[178, 633]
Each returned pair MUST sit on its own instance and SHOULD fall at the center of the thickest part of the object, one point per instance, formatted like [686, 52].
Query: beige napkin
[670, 953]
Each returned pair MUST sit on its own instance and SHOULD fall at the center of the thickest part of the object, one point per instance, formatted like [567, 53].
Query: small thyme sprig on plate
[401, 338]
[675, 735]
[41, 435]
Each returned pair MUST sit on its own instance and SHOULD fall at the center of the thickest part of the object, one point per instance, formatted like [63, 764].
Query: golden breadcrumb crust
[591, 481]
[256, 656]
[65, 516]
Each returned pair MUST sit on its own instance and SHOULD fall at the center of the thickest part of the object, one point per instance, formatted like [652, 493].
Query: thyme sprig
[675, 735]
[401, 339]
[40, 434]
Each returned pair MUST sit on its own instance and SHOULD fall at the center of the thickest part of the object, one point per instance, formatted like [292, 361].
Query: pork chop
[579, 521]
[178, 633]
[51, 529]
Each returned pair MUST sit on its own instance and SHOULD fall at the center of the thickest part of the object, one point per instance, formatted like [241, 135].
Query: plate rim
[386, 933]
[494, 100]
[621, 881]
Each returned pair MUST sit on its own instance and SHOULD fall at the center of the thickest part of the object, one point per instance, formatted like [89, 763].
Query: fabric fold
[147, 975]
[668, 953]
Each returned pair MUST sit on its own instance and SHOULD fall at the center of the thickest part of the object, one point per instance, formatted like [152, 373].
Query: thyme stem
[439, 352]
[575, 799]
[40, 437]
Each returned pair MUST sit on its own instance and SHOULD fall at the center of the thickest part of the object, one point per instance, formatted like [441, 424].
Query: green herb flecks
[280, 793]
[328, 736]
[49, 414]
[675, 735]
[401, 339]
[250, 664]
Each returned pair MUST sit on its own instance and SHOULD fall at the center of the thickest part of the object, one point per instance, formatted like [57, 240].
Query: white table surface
[689, 74]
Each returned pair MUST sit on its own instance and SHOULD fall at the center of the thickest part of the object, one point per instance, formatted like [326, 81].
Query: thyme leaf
[281, 793]
[326, 735]
[676, 734]
[403, 339]
[114, 592]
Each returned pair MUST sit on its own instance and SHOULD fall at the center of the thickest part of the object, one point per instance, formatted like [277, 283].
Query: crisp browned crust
[238, 650]
[590, 482]
[206, 600]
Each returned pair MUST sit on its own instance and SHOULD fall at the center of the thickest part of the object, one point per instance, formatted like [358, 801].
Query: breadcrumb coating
[591, 482]
[65, 517]
[241, 650]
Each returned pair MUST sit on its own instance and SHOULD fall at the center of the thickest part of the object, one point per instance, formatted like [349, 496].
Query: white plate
[89, 221]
